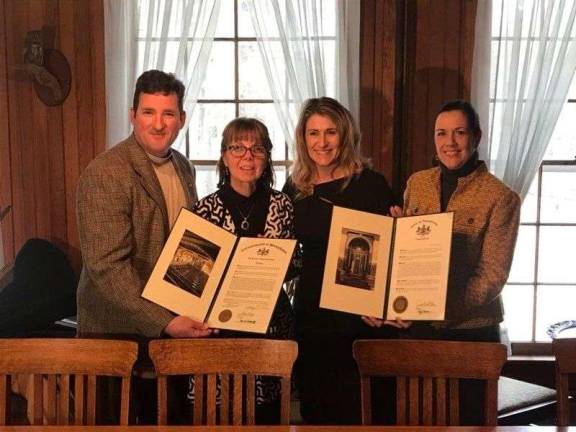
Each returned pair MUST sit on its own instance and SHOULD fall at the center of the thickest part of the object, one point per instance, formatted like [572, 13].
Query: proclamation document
[420, 266]
[211, 275]
[252, 284]
[387, 267]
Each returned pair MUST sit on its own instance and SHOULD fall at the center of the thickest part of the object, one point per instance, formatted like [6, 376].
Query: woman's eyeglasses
[238, 150]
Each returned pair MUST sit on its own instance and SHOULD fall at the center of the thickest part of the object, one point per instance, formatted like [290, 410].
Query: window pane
[281, 174]
[206, 179]
[171, 55]
[558, 194]
[555, 304]
[523, 264]
[245, 28]
[253, 82]
[267, 114]
[562, 144]
[219, 82]
[572, 91]
[225, 26]
[529, 208]
[329, 50]
[556, 259]
[205, 131]
[518, 307]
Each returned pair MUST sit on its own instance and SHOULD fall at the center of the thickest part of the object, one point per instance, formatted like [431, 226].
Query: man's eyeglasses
[238, 150]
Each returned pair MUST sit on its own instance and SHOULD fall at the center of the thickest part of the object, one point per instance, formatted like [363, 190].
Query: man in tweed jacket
[126, 204]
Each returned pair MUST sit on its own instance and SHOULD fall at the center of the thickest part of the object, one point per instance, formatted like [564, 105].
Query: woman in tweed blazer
[486, 218]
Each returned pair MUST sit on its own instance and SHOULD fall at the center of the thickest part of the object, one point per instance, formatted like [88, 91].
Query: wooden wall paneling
[20, 94]
[439, 40]
[70, 120]
[5, 157]
[379, 145]
[98, 76]
[43, 148]
[84, 88]
[468, 20]
[56, 168]
[38, 157]
[378, 64]
[426, 48]
[367, 71]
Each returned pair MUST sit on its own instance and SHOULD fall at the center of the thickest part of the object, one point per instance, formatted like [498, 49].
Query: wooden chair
[427, 377]
[565, 352]
[235, 362]
[63, 369]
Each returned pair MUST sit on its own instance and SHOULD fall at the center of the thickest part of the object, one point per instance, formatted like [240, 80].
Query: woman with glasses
[328, 171]
[246, 205]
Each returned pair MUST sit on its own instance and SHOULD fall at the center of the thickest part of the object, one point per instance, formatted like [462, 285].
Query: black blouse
[367, 191]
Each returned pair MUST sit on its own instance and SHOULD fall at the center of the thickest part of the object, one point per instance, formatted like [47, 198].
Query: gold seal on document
[400, 304]
[225, 315]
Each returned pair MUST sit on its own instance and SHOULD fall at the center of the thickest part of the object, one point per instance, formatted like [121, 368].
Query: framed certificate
[211, 275]
[388, 267]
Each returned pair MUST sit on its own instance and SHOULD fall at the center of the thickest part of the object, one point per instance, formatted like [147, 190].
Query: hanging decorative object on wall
[47, 67]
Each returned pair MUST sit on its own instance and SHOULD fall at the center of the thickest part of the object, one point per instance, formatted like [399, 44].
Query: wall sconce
[47, 67]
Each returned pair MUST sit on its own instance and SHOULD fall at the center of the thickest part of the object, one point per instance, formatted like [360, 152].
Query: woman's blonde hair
[350, 162]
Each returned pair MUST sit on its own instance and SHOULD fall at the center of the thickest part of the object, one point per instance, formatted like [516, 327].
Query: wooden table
[280, 429]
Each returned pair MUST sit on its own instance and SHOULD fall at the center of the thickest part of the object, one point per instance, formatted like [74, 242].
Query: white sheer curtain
[290, 37]
[170, 35]
[533, 61]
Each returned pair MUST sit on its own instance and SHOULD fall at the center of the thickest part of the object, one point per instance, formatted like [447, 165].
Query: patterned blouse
[278, 222]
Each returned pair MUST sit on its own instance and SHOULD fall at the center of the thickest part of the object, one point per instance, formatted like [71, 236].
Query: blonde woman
[329, 170]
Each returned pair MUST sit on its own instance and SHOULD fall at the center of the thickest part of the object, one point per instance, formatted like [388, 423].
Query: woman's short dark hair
[156, 81]
[469, 112]
[237, 129]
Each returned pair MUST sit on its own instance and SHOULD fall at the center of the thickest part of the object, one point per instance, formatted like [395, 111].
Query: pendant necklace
[245, 225]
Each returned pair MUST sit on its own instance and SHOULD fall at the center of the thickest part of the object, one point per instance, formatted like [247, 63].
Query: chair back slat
[427, 401]
[365, 400]
[454, 404]
[565, 352]
[52, 399]
[51, 362]
[79, 399]
[225, 399]
[91, 400]
[400, 401]
[428, 374]
[413, 401]
[4, 386]
[198, 399]
[440, 402]
[38, 395]
[285, 401]
[250, 399]
[237, 404]
[491, 402]
[64, 401]
[211, 399]
[236, 362]
[162, 400]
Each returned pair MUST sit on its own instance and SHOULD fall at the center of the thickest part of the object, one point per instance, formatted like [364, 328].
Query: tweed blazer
[486, 219]
[123, 225]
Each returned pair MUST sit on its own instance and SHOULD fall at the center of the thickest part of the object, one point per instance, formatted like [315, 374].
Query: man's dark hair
[156, 81]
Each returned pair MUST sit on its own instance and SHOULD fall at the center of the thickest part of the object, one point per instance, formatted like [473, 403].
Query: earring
[226, 172]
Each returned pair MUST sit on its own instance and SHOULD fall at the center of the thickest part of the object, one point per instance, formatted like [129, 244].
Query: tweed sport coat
[123, 225]
[486, 219]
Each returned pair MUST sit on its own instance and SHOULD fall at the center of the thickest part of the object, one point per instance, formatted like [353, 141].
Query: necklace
[245, 225]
